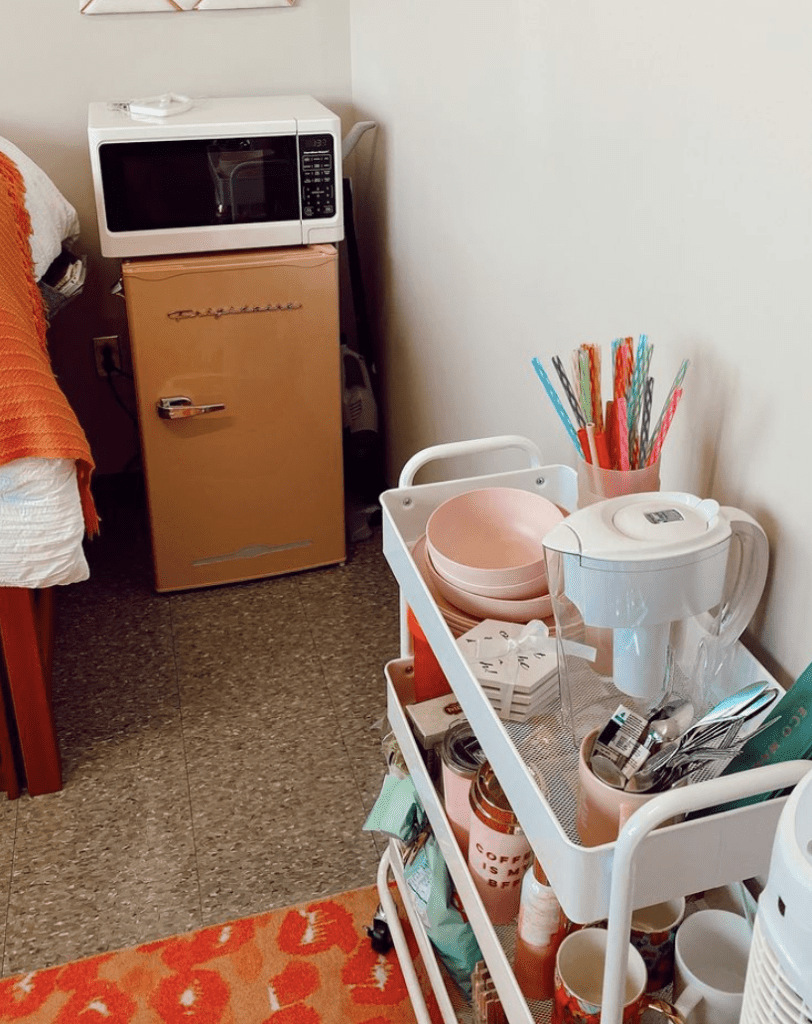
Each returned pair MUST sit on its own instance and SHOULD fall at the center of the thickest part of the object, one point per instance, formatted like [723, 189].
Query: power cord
[111, 370]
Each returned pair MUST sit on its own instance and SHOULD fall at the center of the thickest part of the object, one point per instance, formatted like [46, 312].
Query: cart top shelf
[687, 857]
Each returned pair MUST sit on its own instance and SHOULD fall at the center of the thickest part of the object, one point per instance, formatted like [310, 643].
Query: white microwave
[175, 175]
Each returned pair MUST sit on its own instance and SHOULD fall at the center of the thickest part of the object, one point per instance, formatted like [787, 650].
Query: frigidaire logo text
[220, 311]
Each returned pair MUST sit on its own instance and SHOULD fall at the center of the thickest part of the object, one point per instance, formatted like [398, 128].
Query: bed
[46, 505]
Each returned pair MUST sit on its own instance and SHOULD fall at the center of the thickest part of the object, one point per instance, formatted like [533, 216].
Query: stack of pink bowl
[483, 558]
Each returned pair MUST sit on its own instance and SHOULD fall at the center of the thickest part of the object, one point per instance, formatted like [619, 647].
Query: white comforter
[41, 523]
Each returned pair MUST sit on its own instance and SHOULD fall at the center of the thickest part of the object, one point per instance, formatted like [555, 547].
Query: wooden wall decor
[172, 6]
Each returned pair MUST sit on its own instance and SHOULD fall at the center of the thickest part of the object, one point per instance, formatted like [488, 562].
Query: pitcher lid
[642, 527]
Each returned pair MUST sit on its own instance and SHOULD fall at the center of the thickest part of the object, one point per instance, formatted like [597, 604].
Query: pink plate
[491, 537]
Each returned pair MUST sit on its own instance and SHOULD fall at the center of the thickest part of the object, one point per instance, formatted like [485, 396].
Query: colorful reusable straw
[585, 384]
[680, 377]
[594, 356]
[565, 383]
[559, 408]
[594, 458]
[623, 433]
[622, 438]
[636, 387]
[648, 396]
[659, 437]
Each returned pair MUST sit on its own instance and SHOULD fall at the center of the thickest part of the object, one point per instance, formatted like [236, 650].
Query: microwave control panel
[317, 162]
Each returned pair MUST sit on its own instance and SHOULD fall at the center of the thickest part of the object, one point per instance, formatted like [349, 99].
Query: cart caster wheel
[380, 937]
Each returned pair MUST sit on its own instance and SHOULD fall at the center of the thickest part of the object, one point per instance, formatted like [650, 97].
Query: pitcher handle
[754, 561]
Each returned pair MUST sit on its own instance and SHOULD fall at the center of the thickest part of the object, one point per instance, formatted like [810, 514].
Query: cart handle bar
[713, 792]
[454, 449]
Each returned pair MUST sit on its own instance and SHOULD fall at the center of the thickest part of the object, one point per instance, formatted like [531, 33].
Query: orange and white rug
[308, 964]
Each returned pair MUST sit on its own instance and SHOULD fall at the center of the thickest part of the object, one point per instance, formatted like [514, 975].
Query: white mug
[710, 963]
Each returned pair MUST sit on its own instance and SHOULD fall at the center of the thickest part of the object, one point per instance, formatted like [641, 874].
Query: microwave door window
[154, 186]
[255, 183]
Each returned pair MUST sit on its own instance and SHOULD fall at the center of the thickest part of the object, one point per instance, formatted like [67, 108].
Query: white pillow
[53, 219]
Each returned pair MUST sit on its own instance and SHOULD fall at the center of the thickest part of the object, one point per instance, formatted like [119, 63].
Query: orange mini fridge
[237, 375]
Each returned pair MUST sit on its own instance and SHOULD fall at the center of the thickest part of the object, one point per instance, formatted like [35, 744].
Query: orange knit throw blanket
[35, 417]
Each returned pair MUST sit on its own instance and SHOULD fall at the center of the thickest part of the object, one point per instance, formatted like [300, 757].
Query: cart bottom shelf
[452, 1007]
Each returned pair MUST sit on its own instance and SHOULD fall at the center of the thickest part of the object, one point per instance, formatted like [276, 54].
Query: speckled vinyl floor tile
[219, 750]
[353, 611]
[116, 699]
[279, 840]
[104, 863]
[352, 608]
[8, 828]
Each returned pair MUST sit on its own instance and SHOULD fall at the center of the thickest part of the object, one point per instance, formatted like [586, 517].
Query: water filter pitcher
[649, 592]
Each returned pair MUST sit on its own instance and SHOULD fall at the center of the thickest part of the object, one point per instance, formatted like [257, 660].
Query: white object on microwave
[167, 105]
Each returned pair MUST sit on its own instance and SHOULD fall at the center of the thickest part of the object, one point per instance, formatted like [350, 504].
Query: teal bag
[399, 813]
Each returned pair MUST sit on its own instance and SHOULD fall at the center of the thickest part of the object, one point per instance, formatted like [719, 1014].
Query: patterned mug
[654, 930]
[579, 982]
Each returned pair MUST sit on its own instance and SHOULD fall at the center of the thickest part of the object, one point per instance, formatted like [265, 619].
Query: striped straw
[623, 432]
[584, 382]
[648, 395]
[594, 354]
[565, 383]
[637, 383]
[660, 435]
[559, 408]
[636, 398]
[623, 369]
[680, 377]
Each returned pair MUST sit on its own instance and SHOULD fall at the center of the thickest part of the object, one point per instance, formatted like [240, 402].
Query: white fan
[778, 987]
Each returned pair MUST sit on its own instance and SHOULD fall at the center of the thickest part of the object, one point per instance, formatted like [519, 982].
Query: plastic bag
[398, 812]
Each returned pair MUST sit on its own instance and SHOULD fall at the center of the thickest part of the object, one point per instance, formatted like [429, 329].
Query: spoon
[671, 720]
[683, 750]
[679, 768]
[677, 764]
[727, 714]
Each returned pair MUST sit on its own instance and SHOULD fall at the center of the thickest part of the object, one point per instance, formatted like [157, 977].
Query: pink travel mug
[461, 756]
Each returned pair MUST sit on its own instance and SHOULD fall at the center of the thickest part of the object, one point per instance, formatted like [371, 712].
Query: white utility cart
[642, 866]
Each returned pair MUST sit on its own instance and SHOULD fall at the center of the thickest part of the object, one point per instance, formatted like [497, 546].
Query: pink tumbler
[461, 756]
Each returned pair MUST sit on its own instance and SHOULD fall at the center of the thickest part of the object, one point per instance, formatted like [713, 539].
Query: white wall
[544, 174]
[548, 174]
[53, 61]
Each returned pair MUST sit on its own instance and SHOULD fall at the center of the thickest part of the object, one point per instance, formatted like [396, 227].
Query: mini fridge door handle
[180, 407]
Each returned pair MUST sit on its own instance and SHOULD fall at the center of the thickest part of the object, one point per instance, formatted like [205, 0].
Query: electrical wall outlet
[107, 354]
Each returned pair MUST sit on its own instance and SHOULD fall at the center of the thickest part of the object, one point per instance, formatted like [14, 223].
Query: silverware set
[671, 751]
